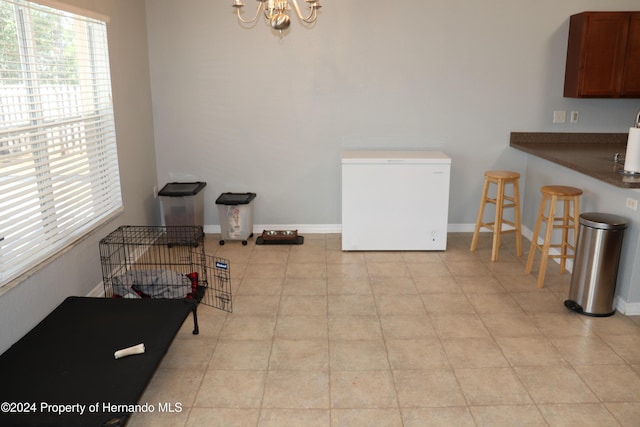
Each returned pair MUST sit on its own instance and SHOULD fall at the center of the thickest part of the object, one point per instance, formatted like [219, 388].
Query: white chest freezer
[395, 200]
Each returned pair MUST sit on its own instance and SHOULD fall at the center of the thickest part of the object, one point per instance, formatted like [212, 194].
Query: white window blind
[59, 174]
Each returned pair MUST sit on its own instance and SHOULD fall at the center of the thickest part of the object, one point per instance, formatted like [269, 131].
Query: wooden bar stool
[500, 178]
[569, 220]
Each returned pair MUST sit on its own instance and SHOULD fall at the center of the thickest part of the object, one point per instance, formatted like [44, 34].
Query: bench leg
[196, 330]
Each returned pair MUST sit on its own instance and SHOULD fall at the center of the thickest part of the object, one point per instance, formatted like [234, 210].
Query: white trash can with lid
[236, 216]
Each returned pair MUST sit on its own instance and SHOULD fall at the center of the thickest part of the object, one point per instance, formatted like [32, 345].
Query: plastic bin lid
[603, 221]
[235, 198]
[181, 189]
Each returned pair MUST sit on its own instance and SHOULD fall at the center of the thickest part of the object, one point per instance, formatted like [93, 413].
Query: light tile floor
[321, 337]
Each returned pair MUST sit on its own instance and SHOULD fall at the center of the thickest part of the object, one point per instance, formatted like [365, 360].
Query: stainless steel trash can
[595, 267]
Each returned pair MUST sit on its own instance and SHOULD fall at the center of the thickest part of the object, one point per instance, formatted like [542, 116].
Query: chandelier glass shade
[276, 12]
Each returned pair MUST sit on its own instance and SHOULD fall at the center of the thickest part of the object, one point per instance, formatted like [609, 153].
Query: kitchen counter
[589, 153]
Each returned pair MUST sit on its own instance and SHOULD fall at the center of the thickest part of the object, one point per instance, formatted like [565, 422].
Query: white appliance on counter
[395, 200]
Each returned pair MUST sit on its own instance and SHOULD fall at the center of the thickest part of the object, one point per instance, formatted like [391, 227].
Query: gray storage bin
[183, 203]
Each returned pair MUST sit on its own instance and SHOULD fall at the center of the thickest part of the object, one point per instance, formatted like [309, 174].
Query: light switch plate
[574, 116]
[559, 116]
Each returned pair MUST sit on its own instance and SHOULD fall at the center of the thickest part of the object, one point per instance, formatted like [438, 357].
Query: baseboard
[328, 228]
[461, 228]
[98, 291]
[628, 309]
[302, 228]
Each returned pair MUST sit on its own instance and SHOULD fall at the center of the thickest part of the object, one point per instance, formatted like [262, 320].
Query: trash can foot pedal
[573, 306]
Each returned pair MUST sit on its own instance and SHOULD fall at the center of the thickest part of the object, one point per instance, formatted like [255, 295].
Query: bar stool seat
[551, 195]
[500, 178]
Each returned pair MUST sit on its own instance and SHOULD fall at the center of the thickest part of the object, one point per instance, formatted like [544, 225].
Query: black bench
[68, 360]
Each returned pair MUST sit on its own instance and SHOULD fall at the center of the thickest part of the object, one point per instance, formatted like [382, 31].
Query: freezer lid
[388, 157]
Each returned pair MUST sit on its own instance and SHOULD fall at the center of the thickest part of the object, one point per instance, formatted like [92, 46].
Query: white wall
[77, 271]
[247, 111]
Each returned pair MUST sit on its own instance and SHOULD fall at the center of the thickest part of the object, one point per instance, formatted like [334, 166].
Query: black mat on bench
[67, 359]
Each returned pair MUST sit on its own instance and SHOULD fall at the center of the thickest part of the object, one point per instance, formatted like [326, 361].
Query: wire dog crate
[164, 262]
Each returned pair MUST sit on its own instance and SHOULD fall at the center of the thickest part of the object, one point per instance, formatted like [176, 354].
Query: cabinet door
[631, 72]
[595, 54]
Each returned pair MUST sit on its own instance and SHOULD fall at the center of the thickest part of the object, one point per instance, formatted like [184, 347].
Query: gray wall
[77, 271]
[247, 111]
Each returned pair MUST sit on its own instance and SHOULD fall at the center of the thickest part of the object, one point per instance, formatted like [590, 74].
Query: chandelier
[275, 12]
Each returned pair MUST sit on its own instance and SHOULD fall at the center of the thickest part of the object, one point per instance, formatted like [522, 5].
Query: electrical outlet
[632, 204]
[574, 116]
[559, 116]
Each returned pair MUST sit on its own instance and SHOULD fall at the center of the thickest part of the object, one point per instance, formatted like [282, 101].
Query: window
[59, 173]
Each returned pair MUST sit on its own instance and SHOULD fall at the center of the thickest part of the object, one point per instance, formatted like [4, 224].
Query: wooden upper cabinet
[603, 55]
[631, 71]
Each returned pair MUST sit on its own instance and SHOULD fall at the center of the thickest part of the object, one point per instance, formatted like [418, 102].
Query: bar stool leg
[536, 233]
[565, 235]
[516, 197]
[497, 224]
[547, 241]
[476, 232]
